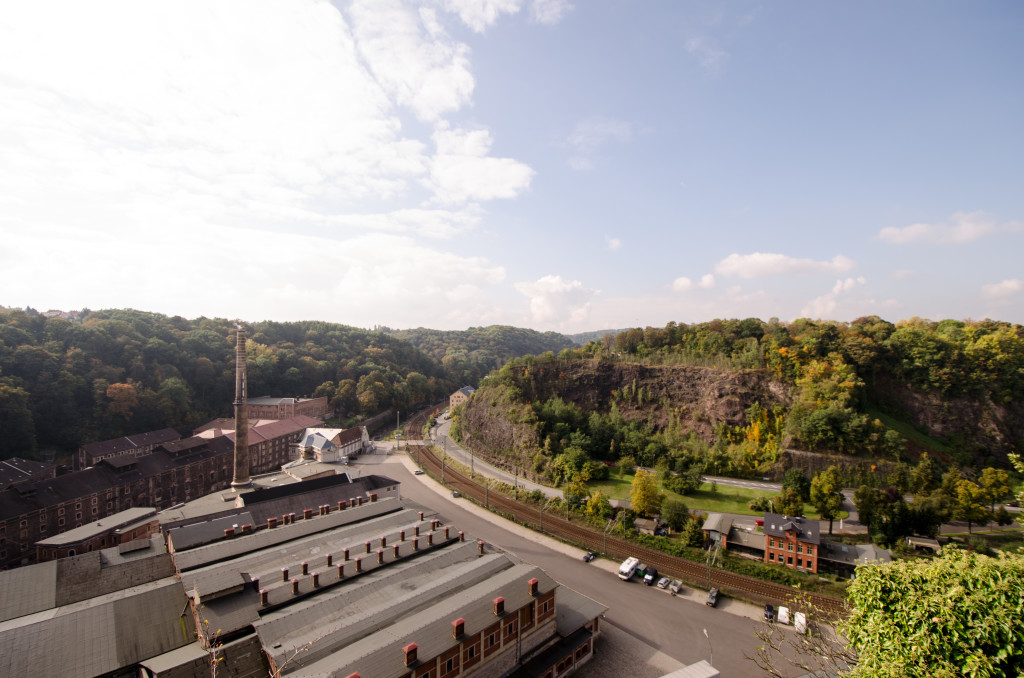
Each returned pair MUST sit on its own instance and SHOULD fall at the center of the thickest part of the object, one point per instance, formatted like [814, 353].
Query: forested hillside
[470, 354]
[63, 383]
[736, 393]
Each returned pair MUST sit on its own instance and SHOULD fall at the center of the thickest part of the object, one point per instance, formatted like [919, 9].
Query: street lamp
[710, 651]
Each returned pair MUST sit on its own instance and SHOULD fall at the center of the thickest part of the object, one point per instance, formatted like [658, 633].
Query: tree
[868, 501]
[960, 614]
[598, 506]
[826, 494]
[996, 485]
[626, 465]
[968, 503]
[797, 479]
[674, 513]
[923, 476]
[644, 495]
[789, 503]
[693, 533]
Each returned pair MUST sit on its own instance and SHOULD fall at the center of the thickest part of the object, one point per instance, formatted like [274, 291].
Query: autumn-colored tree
[789, 503]
[123, 399]
[995, 483]
[969, 503]
[826, 494]
[644, 495]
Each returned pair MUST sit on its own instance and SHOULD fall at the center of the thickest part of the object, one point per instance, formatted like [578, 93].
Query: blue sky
[558, 165]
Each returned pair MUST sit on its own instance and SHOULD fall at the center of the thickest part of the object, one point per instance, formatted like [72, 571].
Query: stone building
[134, 445]
[460, 396]
[266, 407]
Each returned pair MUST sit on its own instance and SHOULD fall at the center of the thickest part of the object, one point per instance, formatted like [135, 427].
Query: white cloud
[461, 170]
[963, 227]
[549, 12]
[763, 264]
[557, 302]
[825, 305]
[589, 135]
[411, 57]
[684, 284]
[708, 52]
[218, 139]
[480, 14]
[1007, 288]
[614, 244]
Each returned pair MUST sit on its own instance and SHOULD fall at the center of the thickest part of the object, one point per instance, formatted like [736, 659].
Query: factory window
[78, 516]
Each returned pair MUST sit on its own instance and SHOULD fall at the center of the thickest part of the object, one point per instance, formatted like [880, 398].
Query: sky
[551, 164]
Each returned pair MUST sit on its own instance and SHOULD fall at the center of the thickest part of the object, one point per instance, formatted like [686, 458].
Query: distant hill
[584, 338]
[478, 350]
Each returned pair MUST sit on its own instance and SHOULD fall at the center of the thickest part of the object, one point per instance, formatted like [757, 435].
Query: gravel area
[618, 654]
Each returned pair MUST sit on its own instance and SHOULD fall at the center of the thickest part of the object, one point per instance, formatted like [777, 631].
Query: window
[449, 665]
[771, 556]
[810, 550]
[799, 548]
[799, 562]
[471, 651]
[78, 516]
[492, 640]
[789, 560]
[789, 547]
[771, 542]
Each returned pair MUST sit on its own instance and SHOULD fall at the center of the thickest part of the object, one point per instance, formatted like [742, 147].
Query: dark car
[712, 597]
[456, 494]
[651, 576]
[588, 556]
[769, 613]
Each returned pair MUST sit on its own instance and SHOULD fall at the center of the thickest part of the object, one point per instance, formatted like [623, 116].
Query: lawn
[724, 500]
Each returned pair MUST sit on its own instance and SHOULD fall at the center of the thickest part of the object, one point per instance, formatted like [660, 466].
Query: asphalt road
[672, 626]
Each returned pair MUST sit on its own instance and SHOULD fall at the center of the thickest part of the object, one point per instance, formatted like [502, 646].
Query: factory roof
[126, 518]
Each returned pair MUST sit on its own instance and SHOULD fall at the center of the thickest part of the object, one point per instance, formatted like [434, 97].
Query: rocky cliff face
[981, 427]
[700, 398]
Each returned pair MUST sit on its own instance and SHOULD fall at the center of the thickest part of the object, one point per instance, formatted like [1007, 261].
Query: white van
[628, 568]
[783, 615]
[800, 623]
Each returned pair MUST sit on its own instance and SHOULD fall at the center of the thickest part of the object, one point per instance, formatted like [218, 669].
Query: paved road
[673, 627]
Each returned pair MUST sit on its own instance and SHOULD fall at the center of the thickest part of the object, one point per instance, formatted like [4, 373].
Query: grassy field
[724, 500]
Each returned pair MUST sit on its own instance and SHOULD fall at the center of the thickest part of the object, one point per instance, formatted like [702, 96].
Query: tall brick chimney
[241, 476]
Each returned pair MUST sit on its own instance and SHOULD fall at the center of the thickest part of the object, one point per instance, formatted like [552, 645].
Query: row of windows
[789, 546]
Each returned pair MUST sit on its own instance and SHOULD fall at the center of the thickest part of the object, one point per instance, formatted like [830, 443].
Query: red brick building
[134, 445]
[285, 408]
[793, 542]
[121, 528]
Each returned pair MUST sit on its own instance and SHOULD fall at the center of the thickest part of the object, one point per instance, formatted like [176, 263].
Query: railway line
[551, 524]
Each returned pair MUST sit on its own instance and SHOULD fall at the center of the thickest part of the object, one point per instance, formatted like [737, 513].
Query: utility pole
[711, 652]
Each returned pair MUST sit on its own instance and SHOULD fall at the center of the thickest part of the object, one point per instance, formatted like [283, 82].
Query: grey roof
[189, 655]
[101, 527]
[261, 562]
[807, 531]
[265, 538]
[28, 589]
[98, 635]
[380, 654]
[574, 610]
[317, 441]
[42, 586]
[16, 470]
[131, 442]
[187, 536]
[467, 391]
[717, 522]
[357, 610]
[293, 498]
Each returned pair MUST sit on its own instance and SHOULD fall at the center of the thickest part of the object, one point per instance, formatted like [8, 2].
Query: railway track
[618, 549]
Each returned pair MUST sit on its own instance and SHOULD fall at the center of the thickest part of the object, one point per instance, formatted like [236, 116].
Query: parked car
[418, 472]
[759, 522]
[676, 586]
[588, 556]
[641, 570]
[651, 576]
[712, 597]
[783, 615]
[455, 493]
[769, 613]
[663, 582]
